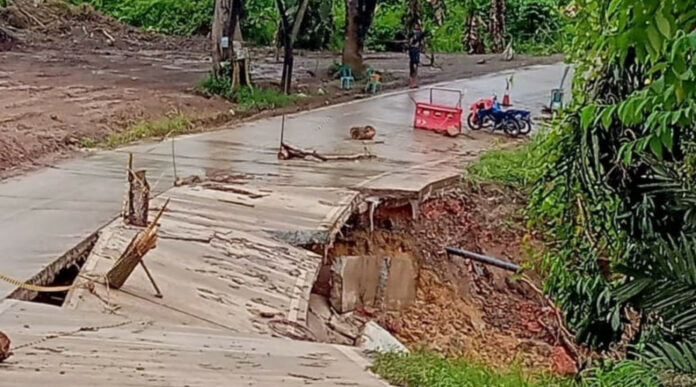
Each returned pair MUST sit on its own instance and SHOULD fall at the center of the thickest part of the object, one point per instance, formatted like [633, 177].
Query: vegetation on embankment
[246, 98]
[535, 26]
[422, 369]
[613, 188]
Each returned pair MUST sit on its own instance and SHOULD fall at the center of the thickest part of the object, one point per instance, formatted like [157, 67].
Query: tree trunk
[352, 55]
[359, 15]
[289, 34]
[496, 25]
[297, 23]
[414, 14]
[439, 8]
[220, 29]
[472, 37]
[227, 24]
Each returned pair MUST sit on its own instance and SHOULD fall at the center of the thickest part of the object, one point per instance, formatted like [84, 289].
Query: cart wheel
[511, 127]
[472, 121]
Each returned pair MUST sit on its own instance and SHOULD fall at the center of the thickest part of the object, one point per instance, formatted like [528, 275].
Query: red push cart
[436, 117]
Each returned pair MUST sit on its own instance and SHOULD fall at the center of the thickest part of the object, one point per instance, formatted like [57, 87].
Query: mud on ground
[73, 76]
[462, 308]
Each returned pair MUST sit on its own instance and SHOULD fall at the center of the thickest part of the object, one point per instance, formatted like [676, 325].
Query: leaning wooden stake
[143, 242]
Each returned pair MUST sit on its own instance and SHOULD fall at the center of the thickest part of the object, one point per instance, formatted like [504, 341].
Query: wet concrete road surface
[46, 213]
[60, 347]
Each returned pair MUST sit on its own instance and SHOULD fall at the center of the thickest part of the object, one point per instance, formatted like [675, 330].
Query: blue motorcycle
[513, 122]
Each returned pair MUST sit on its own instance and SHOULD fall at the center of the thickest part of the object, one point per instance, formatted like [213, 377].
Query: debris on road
[288, 152]
[453, 131]
[362, 132]
[4, 347]
[139, 246]
[377, 339]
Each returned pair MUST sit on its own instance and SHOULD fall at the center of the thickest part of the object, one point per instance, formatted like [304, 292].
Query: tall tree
[289, 34]
[472, 37]
[439, 10]
[228, 44]
[359, 15]
[413, 13]
[496, 25]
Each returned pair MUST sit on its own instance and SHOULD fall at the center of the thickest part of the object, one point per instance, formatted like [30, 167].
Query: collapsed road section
[240, 248]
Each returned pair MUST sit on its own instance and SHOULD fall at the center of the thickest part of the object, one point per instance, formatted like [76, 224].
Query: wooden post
[136, 250]
[138, 199]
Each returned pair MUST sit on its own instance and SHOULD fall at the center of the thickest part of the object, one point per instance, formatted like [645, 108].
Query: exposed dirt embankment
[462, 308]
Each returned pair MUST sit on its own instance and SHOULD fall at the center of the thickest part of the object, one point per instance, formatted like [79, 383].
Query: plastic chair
[556, 99]
[373, 80]
[347, 79]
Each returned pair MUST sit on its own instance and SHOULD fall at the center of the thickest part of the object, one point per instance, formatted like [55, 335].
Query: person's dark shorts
[414, 56]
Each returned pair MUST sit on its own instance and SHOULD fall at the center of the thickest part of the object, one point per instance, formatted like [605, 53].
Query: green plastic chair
[556, 99]
[347, 79]
[373, 81]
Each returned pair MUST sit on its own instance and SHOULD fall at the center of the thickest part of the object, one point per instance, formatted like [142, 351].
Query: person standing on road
[415, 47]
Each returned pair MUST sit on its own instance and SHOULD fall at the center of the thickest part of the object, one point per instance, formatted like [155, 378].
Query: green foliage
[339, 20]
[260, 21]
[220, 86]
[421, 369]
[388, 24]
[179, 17]
[517, 168]
[317, 26]
[247, 98]
[626, 373]
[261, 99]
[534, 25]
[447, 38]
[619, 205]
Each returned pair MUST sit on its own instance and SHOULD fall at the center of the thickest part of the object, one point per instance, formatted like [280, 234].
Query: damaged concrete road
[228, 258]
[210, 273]
[60, 347]
[50, 211]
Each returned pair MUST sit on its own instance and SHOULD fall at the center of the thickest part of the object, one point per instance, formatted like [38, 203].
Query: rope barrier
[39, 288]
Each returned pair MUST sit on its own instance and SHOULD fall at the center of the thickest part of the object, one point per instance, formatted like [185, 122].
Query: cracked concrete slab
[210, 272]
[59, 347]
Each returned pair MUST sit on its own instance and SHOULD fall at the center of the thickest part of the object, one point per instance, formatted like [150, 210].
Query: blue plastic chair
[373, 81]
[347, 79]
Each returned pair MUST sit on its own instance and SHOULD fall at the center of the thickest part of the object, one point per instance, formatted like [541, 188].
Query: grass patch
[517, 168]
[87, 143]
[421, 369]
[173, 124]
[246, 97]
[261, 99]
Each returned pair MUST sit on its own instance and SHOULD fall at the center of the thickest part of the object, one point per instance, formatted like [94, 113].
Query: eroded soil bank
[461, 308]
